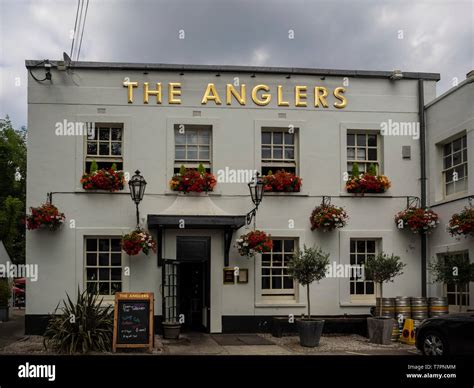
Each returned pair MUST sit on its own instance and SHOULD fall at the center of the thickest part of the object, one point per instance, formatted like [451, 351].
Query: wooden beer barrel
[388, 307]
[403, 306]
[438, 306]
[419, 308]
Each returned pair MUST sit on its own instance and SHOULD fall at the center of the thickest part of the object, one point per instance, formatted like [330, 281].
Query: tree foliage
[383, 268]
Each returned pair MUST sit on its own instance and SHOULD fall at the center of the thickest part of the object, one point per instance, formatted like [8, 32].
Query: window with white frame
[363, 148]
[455, 166]
[360, 251]
[193, 146]
[105, 146]
[275, 277]
[279, 148]
[456, 295]
[103, 265]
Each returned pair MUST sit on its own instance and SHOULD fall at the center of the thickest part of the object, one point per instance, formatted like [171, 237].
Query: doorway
[193, 255]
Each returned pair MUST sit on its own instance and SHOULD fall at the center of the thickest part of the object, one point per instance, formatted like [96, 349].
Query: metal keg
[438, 306]
[419, 308]
[388, 307]
[403, 306]
[395, 332]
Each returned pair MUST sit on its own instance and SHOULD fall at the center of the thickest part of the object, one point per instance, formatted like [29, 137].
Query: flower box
[282, 182]
[104, 179]
[46, 216]
[328, 217]
[138, 241]
[418, 220]
[462, 224]
[193, 180]
[368, 182]
[254, 242]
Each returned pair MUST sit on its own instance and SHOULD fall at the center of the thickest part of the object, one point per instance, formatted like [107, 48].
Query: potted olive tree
[454, 269]
[380, 269]
[309, 265]
[5, 294]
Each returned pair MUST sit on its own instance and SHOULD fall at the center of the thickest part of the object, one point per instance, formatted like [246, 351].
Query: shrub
[80, 327]
[5, 292]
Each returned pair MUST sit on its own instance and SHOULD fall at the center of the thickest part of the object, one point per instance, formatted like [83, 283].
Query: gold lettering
[130, 86]
[266, 97]
[231, 91]
[280, 101]
[211, 94]
[300, 95]
[147, 92]
[173, 92]
[338, 94]
[320, 98]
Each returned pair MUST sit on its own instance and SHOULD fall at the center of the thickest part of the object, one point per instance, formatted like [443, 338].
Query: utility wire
[75, 26]
[80, 22]
[82, 32]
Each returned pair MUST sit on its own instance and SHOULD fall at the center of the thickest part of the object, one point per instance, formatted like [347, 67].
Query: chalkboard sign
[133, 320]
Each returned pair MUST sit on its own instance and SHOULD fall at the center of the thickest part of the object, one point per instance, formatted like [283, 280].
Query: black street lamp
[256, 192]
[137, 186]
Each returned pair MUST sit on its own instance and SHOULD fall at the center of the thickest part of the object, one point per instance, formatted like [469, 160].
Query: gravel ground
[335, 344]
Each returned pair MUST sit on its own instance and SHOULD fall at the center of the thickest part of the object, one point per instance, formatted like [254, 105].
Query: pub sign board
[133, 320]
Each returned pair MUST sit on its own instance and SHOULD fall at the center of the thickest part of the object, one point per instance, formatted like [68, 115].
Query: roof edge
[242, 69]
[467, 81]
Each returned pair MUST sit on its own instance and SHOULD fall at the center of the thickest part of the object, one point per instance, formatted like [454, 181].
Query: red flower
[282, 181]
[254, 242]
[417, 220]
[192, 181]
[137, 241]
[328, 217]
[47, 215]
[103, 179]
[462, 223]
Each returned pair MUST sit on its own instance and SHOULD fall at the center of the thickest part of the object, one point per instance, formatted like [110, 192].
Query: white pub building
[235, 121]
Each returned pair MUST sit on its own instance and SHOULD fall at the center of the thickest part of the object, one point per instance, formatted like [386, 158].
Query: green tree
[12, 188]
[453, 269]
[355, 170]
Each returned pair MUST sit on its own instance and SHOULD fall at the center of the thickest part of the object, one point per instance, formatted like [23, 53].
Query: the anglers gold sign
[262, 95]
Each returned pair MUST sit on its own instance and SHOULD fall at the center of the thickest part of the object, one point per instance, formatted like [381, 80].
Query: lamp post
[256, 193]
[137, 186]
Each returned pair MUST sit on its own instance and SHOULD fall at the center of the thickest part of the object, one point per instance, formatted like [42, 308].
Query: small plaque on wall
[243, 276]
[229, 276]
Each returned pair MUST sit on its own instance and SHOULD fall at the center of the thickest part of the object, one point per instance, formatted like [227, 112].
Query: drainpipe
[421, 112]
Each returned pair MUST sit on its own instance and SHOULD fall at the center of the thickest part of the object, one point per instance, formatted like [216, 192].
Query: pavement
[14, 329]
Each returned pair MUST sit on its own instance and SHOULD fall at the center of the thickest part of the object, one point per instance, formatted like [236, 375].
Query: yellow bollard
[408, 332]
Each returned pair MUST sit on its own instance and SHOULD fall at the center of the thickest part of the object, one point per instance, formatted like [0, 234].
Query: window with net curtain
[193, 146]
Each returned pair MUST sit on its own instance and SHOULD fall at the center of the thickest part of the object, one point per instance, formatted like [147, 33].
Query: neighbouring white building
[232, 119]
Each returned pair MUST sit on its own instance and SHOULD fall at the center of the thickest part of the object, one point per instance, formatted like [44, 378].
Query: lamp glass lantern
[256, 189]
[137, 186]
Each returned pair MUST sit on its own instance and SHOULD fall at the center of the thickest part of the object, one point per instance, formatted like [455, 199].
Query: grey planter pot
[171, 330]
[380, 330]
[310, 331]
[4, 313]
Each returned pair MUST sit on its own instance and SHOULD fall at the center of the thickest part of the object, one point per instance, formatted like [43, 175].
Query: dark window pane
[92, 259]
[115, 287]
[361, 140]
[91, 244]
[360, 246]
[104, 288]
[359, 288]
[287, 259]
[276, 283]
[451, 287]
[457, 145]
[289, 138]
[104, 274]
[277, 260]
[289, 245]
[266, 259]
[372, 154]
[103, 259]
[464, 155]
[104, 244]
[372, 140]
[103, 148]
[287, 282]
[451, 299]
[353, 246]
[350, 153]
[116, 273]
[447, 162]
[456, 158]
[464, 141]
[447, 149]
[276, 271]
[115, 244]
[277, 153]
[360, 259]
[92, 287]
[116, 134]
[91, 274]
[371, 246]
[116, 259]
[116, 148]
[104, 134]
[353, 259]
[289, 153]
[266, 152]
[369, 287]
[266, 138]
[265, 283]
[265, 271]
[352, 288]
[91, 148]
[277, 247]
[277, 138]
[350, 140]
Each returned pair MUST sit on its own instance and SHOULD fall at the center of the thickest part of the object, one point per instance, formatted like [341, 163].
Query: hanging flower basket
[46, 216]
[418, 220]
[462, 224]
[138, 241]
[193, 181]
[254, 242]
[104, 179]
[328, 217]
[282, 182]
[369, 182]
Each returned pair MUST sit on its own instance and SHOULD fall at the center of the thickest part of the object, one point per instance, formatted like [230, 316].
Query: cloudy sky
[416, 35]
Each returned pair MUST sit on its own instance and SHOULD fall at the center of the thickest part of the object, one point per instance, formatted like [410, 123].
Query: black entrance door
[193, 254]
